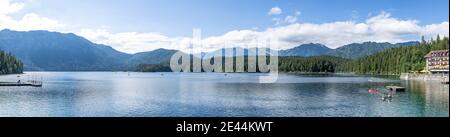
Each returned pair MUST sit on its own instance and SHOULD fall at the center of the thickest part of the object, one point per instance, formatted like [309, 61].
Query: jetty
[396, 88]
[30, 81]
[21, 84]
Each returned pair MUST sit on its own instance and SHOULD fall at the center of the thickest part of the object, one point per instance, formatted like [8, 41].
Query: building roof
[436, 52]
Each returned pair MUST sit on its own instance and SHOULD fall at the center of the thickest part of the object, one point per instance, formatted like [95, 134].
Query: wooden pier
[21, 84]
[30, 81]
[396, 88]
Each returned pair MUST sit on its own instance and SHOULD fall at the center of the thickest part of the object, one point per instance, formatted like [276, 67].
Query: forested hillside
[10, 64]
[397, 60]
[327, 64]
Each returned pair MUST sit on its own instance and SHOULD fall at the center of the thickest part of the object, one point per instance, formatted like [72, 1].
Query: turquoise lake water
[122, 94]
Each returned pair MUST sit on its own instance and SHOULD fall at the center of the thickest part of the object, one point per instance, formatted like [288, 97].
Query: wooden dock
[396, 88]
[21, 84]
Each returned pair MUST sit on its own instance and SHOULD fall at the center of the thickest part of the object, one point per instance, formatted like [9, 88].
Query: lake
[122, 94]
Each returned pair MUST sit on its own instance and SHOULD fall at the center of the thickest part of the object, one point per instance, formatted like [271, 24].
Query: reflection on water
[212, 94]
[433, 96]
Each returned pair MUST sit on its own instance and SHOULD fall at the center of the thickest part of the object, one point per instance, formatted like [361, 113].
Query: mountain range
[54, 51]
[306, 50]
[350, 51]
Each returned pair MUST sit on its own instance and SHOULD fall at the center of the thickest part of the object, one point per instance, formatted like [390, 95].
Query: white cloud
[29, 21]
[290, 19]
[6, 7]
[435, 29]
[380, 28]
[388, 25]
[133, 42]
[275, 11]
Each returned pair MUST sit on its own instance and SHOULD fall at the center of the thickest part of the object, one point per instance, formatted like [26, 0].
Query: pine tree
[423, 40]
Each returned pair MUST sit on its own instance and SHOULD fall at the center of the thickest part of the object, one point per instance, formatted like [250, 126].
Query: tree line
[9, 64]
[320, 64]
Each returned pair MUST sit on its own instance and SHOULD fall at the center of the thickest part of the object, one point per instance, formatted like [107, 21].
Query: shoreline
[12, 74]
[444, 78]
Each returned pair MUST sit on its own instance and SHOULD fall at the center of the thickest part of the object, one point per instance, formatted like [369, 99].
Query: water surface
[98, 94]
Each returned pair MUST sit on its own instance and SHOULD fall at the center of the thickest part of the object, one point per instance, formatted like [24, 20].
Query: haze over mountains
[53, 51]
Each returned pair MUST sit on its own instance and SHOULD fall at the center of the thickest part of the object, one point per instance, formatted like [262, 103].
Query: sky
[142, 25]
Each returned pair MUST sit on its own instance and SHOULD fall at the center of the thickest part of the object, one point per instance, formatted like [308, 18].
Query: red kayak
[374, 91]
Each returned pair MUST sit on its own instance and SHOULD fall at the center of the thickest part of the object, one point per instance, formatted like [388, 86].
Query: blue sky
[215, 17]
[175, 19]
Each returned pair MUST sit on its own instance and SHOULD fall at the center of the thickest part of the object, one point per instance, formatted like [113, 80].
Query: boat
[396, 88]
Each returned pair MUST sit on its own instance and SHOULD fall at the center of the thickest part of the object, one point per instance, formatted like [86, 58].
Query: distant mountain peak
[306, 50]
[162, 49]
[5, 30]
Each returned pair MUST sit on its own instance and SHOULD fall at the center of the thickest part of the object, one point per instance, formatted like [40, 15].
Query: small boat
[396, 88]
